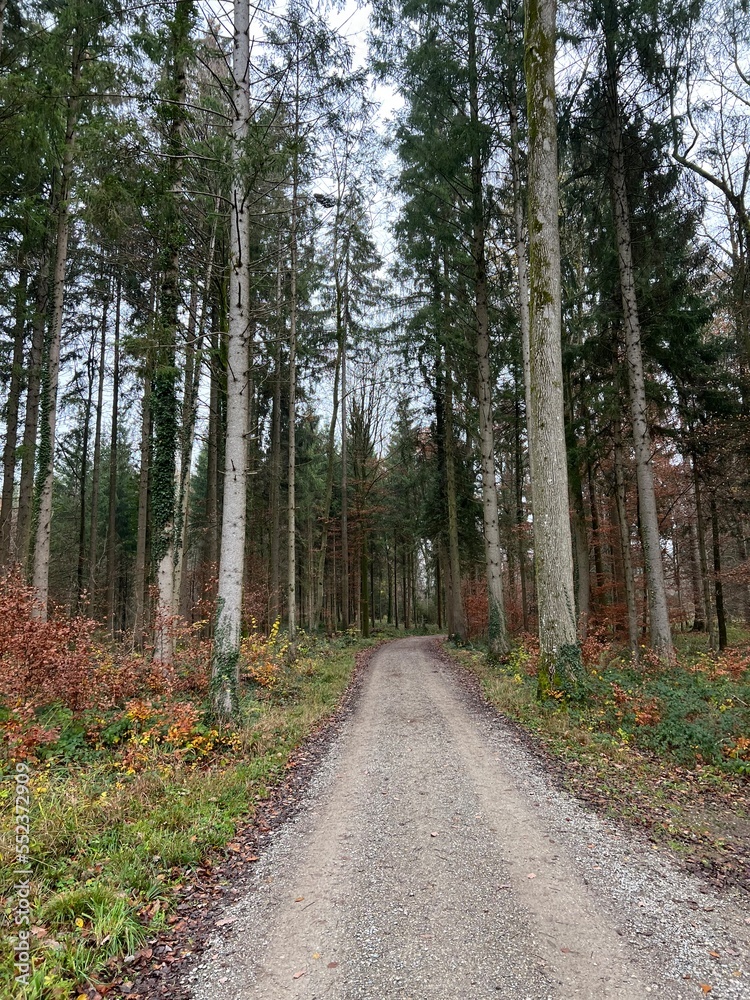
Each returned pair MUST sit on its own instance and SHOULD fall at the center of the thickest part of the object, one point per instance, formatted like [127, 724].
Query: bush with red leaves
[42, 661]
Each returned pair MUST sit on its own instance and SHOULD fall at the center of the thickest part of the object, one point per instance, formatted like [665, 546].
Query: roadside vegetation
[132, 782]
[664, 747]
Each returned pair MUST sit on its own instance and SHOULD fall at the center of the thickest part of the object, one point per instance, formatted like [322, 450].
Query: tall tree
[553, 555]
[225, 670]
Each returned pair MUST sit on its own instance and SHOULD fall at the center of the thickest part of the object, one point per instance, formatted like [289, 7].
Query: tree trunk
[225, 671]
[46, 471]
[457, 616]
[96, 463]
[721, 620]
[344, 500]
[559, 664]
[164, 388]
[83, 476]
[212, 464]
[497, 630]
[292, 456]
[330, 451]
[581, 566]
[696, 583]
[112, 507]
[11, 418]
[624, 530]
[700, 526]
[275, 468]
[141, 560]
[31, 420]
[661, 636]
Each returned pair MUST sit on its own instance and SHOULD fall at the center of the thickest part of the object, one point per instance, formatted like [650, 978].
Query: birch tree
[225, 676]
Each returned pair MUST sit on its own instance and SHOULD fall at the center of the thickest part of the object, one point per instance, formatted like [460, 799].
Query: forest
[326, 322]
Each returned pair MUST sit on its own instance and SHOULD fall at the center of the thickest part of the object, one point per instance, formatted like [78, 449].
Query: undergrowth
[665, 746]
[132, 783]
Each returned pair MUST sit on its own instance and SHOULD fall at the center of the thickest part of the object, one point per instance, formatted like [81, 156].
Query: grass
[123, 806]
[663, 747]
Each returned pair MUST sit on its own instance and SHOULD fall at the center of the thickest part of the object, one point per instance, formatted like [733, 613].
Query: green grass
[106, 845]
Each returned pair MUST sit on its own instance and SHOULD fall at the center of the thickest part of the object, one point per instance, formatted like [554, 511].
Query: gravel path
[434, 860]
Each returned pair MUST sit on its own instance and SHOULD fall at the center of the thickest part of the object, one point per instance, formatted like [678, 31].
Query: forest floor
[433, 857]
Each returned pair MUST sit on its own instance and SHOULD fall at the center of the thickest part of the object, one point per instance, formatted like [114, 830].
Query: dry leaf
[225, 922]
[333, 965]
[714, 954]
[300, 974]
[299, 899]
[706, 988]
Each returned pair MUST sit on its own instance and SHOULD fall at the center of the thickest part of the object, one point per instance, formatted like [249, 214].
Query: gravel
[434, 860]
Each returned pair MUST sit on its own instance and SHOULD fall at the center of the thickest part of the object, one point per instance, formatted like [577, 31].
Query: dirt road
[434, 861]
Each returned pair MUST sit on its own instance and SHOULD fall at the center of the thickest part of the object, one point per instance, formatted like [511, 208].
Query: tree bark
[46, 471]
[31, 420]
[141, 560]
[661, 636]
[457, 616]
[721, 619]
[559, 663]
[497, 630]
[225, 672]
[11, 418]
[275, 465]
[83, 477]
[96, 462]
[700, 525]
[624, 531]
[344, 501]
[112, 505]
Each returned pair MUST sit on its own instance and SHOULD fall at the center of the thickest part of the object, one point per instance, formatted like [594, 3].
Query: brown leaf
[333, 965]
[706, 988]
[300, 974]
[714, 954]
[225, 922]
[299, 899]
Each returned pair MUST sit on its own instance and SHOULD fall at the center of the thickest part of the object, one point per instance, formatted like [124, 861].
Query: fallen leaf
[225, 922]
[253, 857]
[531, 875]
[300, 974]
[714, 954]
[299, 899]
[706, 988]
[333, 965]
[39, 932]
